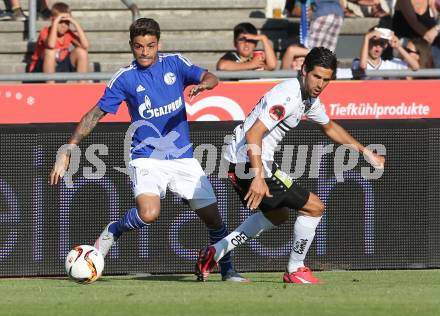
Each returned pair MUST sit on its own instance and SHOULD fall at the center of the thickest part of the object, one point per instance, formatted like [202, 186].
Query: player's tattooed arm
[87, 124]
[84, 128]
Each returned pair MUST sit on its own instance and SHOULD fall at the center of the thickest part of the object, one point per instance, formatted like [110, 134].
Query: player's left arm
[208, 81]
[339, 135]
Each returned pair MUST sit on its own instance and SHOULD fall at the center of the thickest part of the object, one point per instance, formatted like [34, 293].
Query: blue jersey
[155, 100]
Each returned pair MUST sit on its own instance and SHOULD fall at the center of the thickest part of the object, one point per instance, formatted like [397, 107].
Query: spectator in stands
[293, 58]
[14, 11]
[5, 16]
[375, 42]
[366, 8]
[326, 24]
[53, 49]
[418, 19]
[43, 8]
[135, 13]
[245, 57]
[421, 51]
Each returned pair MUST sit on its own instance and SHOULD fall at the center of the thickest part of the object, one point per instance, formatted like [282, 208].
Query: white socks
[304, 232]
[252, 227]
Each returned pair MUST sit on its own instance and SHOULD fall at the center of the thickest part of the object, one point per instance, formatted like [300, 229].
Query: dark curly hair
[321, 57]
[144, 26]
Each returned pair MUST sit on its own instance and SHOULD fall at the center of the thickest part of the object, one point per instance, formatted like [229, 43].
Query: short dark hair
[144, 26]
[59, 8]
[321, 57]
[244, 28]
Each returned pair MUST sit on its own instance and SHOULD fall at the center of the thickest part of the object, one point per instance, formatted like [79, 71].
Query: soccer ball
[84, 264]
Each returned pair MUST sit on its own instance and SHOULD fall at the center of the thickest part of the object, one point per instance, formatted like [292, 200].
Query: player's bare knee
[149, 214]
[314, 206]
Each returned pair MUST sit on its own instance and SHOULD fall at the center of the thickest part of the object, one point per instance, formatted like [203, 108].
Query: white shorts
[184, 177]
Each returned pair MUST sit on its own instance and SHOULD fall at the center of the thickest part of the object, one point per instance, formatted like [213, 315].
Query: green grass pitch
[410, 292]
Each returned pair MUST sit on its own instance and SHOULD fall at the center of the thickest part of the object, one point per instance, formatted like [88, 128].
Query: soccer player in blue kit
[161, 152]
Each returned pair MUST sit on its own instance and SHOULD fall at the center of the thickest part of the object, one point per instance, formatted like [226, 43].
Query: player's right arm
[84, 128]
[114, 94]
[272, 110]
[87, 124]
[258, 188]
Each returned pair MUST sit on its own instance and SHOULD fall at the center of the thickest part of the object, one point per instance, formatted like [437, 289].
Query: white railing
[223, 75]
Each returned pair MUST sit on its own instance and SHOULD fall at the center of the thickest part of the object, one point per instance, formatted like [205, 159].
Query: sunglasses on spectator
[244, 39]
[381, 42]
[408, 50]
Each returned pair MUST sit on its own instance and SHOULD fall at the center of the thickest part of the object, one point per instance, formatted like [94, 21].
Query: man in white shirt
[258, 180]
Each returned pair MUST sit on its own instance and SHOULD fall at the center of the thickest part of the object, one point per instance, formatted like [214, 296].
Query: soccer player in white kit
[161, 155]
[268, 188]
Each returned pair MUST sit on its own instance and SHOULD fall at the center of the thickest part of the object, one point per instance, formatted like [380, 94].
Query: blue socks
[132, 221]
[129, 221]
[225, 263]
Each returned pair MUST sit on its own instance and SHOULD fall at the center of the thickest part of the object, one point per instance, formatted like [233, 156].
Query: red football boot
[302, 276]
[205, 263]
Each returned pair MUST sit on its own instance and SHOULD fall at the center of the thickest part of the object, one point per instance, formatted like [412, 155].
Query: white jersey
[392, 64]
[280, 110]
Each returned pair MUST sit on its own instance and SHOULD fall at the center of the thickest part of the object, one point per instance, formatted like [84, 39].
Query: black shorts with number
[284, 190]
